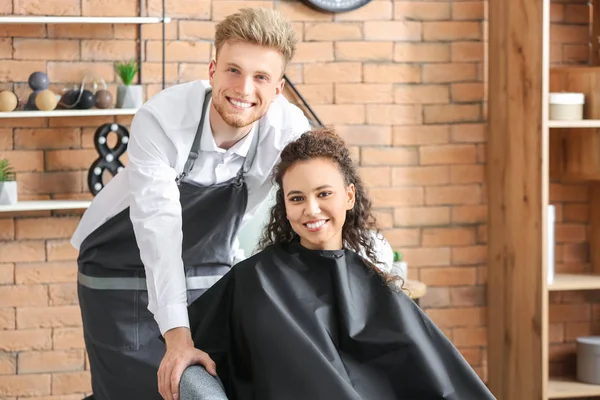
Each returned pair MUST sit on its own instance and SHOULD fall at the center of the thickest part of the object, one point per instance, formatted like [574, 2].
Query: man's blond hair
[261, 26]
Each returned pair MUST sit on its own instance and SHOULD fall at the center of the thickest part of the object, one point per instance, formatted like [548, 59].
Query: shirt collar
[207, 142]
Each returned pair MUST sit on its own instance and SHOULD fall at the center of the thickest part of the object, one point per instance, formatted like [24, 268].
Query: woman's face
[316, 201]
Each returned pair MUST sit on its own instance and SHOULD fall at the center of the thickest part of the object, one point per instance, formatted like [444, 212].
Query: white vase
[131, 96]
[400, 268]
[8, 192]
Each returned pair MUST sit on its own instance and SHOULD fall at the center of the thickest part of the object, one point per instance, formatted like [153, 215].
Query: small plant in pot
[8, 184]
[128, 95]
[399, 266]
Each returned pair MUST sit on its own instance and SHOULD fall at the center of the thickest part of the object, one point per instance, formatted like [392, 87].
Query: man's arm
[156, 217]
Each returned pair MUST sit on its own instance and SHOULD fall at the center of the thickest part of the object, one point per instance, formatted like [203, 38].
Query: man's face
[245, 80]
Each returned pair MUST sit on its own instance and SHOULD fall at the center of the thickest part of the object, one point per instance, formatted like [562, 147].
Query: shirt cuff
[172, 316]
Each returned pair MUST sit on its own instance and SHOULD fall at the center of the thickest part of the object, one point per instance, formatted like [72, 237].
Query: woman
[307, 318]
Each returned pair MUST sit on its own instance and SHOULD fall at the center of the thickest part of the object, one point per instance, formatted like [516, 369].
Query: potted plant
[128, 95]
[8, 184]
[399, 267]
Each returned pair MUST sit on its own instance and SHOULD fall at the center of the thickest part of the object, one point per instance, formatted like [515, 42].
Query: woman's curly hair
[360, 221]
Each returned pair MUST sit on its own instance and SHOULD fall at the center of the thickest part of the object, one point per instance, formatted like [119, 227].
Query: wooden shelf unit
[45, 205]
[525, 150]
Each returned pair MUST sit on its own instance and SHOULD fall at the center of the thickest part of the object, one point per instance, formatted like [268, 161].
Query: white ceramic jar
[566, 106]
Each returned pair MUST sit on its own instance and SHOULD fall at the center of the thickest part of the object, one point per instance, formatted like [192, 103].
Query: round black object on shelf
[336, 6]
[87, 100]
[69, 99]
[31, 100]
[39, 81]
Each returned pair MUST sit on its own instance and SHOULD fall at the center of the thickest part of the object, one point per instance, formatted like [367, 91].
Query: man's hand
[180, 354]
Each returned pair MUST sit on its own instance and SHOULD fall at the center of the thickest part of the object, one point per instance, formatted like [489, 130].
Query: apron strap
[194, 151]
[139, 283]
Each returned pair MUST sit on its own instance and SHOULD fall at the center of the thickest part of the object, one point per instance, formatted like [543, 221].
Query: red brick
[391, 73]
[421, 11]
[422, 216]
[25, 339]
[49, 272]
[426, 257]
[373, 11]
[8, 318]
[467, 173]
[396, 197]
[63, 294]
[388, 156]
[333, 72]
[7, 274]
[328, 31]
[67, 338]
[23, 295]
[420, 176]
[469, 214]
[365, 135]
[453, 195]
[420, 135]
[362, 51]
[69, 382]
[22, 251]
[449, 276]
[421, 52]
[48, 317]
[46, 228]
[470, 336]
[51, 7]
[423, 94]
[25, 385]
[363, 93]
[447, 154]
[467, 296]
[394, 114]
[458, 317]
[35, 362]
[402, 237]
[469, 255]
[451, 30]
[404, 31]
[439, 237]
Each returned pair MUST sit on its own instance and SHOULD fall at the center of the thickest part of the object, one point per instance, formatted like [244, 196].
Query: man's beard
[233, 119]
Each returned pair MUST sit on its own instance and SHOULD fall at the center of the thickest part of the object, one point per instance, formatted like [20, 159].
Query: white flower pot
[8, 192]
[131, 96]
[400, 268]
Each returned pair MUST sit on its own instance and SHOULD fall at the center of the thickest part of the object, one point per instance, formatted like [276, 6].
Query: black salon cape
[297, 324]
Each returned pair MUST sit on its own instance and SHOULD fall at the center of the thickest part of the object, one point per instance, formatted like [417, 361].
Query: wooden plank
[517, 176]
[575, 282]
[594, 238]
[568, 388]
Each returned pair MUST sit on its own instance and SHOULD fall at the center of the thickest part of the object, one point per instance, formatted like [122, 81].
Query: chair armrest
[197, 384]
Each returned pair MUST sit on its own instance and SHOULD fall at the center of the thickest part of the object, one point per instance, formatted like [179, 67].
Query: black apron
[121, 335]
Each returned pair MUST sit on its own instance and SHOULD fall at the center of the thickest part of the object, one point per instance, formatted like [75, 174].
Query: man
[163, 230]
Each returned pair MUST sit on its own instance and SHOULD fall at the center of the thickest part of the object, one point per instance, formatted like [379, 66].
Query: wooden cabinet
[526, 151]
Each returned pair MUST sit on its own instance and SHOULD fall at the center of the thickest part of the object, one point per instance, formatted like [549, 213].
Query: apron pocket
[111, 318]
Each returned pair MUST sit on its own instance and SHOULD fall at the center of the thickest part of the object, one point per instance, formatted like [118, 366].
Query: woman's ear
[350, 191]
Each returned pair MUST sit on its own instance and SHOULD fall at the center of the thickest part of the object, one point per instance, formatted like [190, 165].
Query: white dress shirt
[162, 133]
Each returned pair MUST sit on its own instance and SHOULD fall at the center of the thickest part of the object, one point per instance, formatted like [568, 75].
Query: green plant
[127, 71]
[6, 173]
[398, 256]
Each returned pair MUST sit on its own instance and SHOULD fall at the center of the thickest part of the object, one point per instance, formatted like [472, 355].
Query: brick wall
[572, 314]
[403, 81]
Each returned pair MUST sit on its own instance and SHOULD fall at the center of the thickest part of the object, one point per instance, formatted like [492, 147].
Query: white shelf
[41, 205]
[584, 123]
[575, 282]
[69, 113]
[32, 19]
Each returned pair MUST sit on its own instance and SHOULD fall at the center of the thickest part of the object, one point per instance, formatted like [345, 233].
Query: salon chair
[197, 384]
